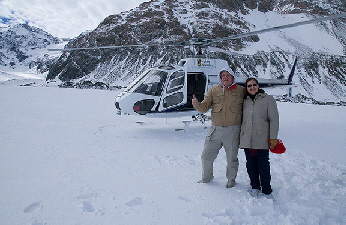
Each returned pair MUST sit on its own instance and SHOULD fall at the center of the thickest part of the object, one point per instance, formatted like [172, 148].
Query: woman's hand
[273, 142]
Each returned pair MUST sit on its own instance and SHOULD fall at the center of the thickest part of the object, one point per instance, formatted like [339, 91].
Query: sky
[67, 158]
[63, 18]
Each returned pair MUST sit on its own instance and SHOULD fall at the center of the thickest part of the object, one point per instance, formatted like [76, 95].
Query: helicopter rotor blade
[94, 48]
[116, 46]
[280, 27]
[203, 42]
[214, 49]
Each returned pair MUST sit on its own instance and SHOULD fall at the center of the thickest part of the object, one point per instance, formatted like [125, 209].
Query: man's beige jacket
[226, 105]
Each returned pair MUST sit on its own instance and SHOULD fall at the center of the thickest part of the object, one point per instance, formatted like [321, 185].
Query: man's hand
[195, 101]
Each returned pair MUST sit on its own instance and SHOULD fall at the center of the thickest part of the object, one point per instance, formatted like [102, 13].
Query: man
[226, 102]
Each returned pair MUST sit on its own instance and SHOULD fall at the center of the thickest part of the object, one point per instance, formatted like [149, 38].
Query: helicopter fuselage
[162, 90]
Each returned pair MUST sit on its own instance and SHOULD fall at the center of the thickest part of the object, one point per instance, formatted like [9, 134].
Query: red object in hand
[279, 148]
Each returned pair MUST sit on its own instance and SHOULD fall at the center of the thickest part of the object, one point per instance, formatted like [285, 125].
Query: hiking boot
[254, 192]
[230, 184]
[205, 181]
[270, 196]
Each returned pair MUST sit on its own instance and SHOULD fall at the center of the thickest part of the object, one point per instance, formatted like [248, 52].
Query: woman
[259, 131]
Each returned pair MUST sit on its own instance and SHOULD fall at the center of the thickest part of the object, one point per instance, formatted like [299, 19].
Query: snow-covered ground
[67, 158]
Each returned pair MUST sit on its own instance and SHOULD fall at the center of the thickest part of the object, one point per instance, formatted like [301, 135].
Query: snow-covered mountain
[320, 74]
[23, 47]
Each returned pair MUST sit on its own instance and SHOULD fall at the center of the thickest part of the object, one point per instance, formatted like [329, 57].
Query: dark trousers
[258, 168]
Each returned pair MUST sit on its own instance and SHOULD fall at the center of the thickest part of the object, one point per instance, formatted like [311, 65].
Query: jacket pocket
[216, 108]
[236, 107]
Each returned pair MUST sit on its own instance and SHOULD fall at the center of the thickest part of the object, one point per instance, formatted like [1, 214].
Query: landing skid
[202, 118]
[198, 117]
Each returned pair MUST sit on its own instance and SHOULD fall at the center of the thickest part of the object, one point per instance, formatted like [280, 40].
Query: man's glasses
[250, 85]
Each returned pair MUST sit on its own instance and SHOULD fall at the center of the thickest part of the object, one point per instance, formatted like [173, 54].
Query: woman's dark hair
[250, 79]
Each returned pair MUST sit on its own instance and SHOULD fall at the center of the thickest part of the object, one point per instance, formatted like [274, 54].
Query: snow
[67, 158]
[16, 75]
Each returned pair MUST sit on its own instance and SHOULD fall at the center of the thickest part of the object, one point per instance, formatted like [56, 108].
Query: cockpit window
[153, 83]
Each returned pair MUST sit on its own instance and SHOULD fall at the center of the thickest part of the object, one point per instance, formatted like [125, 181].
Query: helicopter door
[178, 96]
[174, 96]
[195, 86]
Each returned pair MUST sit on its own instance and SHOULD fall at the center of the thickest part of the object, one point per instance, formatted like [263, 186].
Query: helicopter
[165, 91]
[162, 90]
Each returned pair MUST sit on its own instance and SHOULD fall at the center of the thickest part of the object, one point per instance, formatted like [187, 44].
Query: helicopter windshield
[153, 83]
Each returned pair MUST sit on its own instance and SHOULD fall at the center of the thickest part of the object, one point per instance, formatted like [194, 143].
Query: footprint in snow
[86, 196]
[134, 202]
[183, 198]
[88, 207]
[37, 223]
[32, 207]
